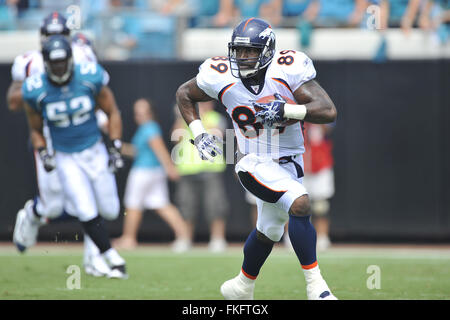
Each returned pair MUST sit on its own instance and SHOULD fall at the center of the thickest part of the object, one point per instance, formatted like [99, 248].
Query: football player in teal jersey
[65, 98]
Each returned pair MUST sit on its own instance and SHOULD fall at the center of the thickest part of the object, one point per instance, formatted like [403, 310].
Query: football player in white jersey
[49, 204]
[268, 94]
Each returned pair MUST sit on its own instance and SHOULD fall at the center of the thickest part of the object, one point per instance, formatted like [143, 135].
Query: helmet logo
[55, 28]
[242, 39]
[58, 54]
[267, 33]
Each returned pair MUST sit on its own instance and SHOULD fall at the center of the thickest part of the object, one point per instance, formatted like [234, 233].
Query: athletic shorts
[202, 191]
[89, 186]
[146, 188]
[320, 185]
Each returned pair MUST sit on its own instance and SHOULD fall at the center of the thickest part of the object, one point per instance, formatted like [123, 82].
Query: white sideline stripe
[278, 253]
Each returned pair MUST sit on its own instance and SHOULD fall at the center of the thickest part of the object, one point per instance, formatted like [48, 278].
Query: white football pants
[275, 186]
[89, 187]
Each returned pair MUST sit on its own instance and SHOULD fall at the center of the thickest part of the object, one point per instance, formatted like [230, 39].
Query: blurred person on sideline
[204, 177]
[147, 186]
[319, 178]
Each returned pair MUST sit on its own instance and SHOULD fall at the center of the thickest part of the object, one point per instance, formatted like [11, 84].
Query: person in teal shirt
[147, 186]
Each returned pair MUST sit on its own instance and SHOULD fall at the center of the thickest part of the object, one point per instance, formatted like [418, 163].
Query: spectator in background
[232, 10]
[428, 15]
[285, 13]
[8, 10]
[174, 7]
[307, 14]
[202, 177]
[289, 13]
[200, 13]
[139, 33]
[336, 13]
[399, 14]
[435, 16]
[319, 178]
[147, 181]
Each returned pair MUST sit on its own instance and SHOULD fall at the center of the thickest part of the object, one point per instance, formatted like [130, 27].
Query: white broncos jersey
[32, 62]
[288, 70]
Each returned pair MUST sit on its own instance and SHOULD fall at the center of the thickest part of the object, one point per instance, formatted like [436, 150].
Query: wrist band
[197, 128]
[117, 144]
[295, 111]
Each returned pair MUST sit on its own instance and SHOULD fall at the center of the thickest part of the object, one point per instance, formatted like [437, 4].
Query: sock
[245, 279]
[96, 230]
[312, 274]
[303, 238]
[255, 254]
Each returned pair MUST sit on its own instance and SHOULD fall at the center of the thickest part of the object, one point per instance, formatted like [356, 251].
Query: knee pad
[110, 210]
[51, 209]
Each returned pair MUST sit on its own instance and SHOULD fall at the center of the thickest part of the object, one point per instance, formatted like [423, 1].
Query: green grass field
[157, 273]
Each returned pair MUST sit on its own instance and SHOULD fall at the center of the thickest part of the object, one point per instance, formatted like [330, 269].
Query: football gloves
[115, 161]
[207, 146]
[47, 159]
[272, 112]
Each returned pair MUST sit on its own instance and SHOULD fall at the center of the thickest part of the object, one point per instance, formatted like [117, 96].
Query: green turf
[197, 275]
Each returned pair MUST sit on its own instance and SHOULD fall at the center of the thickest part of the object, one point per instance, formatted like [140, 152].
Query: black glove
[115, 161]
[47, 159]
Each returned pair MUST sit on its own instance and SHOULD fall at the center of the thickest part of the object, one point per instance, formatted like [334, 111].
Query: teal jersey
[68, 110]
[145, 157]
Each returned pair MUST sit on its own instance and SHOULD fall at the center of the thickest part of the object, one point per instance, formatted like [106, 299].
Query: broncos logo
[267, 33]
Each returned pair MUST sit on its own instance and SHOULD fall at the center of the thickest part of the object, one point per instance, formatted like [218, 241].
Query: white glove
[207, 146]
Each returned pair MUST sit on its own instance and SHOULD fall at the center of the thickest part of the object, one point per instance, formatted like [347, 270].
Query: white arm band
[197, 128]
[295, 111]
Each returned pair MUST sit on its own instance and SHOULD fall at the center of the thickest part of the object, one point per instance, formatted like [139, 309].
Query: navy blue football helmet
[81, 39]
[58, 61]
[54, 23]
[252, 33]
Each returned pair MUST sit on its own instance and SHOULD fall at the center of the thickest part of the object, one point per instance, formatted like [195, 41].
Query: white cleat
[116, 263]
[236, 289]
[26, 228]
[318, 290]
[96, 266]
[118, 272]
